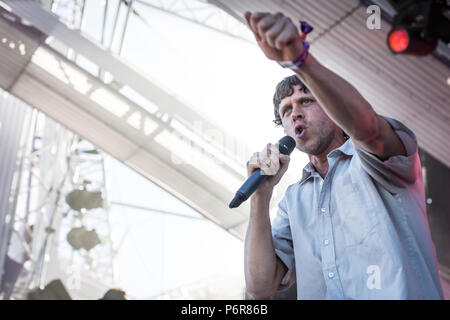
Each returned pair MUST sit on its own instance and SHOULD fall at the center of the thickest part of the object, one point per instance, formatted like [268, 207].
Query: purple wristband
[297, 63]
[301, 60]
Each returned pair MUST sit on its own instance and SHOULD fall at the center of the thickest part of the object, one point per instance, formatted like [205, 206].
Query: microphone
[286, 145]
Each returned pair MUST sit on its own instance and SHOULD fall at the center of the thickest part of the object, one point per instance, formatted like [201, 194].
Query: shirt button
[322, 209]
[331, 275]
[326, 242]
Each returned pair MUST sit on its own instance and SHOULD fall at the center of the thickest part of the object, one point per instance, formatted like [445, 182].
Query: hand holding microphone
[265, 170]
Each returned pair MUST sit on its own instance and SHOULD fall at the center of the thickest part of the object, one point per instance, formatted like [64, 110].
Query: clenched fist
[276, 34]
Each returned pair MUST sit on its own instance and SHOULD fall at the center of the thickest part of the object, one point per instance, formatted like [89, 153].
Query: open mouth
[299, 132]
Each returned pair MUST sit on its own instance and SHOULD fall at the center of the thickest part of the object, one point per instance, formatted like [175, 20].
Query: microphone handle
[246, 190]
[253, 182]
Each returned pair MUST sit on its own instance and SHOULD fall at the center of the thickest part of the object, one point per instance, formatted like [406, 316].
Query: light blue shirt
[362, 232]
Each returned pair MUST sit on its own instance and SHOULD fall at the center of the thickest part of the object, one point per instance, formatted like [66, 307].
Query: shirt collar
[346, 148]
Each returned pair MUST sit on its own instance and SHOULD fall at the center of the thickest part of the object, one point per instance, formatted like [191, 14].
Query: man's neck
[320, 161]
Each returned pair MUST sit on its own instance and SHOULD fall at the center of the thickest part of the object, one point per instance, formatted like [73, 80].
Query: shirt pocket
[354, 213]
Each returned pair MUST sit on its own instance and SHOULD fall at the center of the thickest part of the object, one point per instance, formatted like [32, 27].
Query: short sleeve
[282, 242]
[397, 171]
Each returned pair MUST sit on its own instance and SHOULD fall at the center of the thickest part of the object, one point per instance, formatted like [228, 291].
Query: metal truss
[56, 162]
[88, 167]
[198, 12]
[153, 115]
[203, 14]
[37, 194]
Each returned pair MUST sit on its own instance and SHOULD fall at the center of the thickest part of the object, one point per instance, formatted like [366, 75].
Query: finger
[252, 20]
[269, 166]
[284, 160]
[268, 151]
[266, 171]
[251, 168]
[284, 164]
[257, 161]
[264, 159]
[252, 164]
[265, 168]
[264, 150]
[274, 152]
[247, 15]
[274, 31]
[270, 163]
[287, 36]
[266, 163]
[266, 23]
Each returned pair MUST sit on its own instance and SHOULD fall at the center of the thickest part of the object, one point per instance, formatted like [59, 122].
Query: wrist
[300, 61]
[304, 54]
[260, 204]
[261, 197]
[310, 64]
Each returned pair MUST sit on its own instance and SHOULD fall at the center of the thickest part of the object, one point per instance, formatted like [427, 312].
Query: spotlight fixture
[83, 199]
[409, 41]
[115, 294]
[81, 238]
[418, 26]
[54, 290]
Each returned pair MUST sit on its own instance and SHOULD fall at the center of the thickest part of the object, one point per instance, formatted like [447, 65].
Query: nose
[297, 113]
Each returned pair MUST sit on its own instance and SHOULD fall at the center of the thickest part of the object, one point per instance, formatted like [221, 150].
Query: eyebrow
[287, 104]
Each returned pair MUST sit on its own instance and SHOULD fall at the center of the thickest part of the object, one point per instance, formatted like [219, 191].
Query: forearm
[260, 258]
[279, 39]
[339, 99]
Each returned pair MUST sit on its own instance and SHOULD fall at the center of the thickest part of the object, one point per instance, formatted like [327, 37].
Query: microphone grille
[286, 145]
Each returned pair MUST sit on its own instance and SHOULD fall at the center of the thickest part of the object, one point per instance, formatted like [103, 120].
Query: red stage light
[398, 40]
[407, 40]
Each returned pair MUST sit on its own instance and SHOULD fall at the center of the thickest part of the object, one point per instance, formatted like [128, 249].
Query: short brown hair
[284, 89]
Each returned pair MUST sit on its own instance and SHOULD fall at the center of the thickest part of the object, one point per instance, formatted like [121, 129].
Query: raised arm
[279, 39]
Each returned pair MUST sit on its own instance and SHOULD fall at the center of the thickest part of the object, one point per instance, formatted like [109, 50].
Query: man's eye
[308, 101]
[286, 111]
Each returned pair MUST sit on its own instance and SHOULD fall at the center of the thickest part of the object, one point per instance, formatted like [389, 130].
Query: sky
[227, 80]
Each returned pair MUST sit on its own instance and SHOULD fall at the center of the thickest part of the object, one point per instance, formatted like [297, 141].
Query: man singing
[355, 225]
